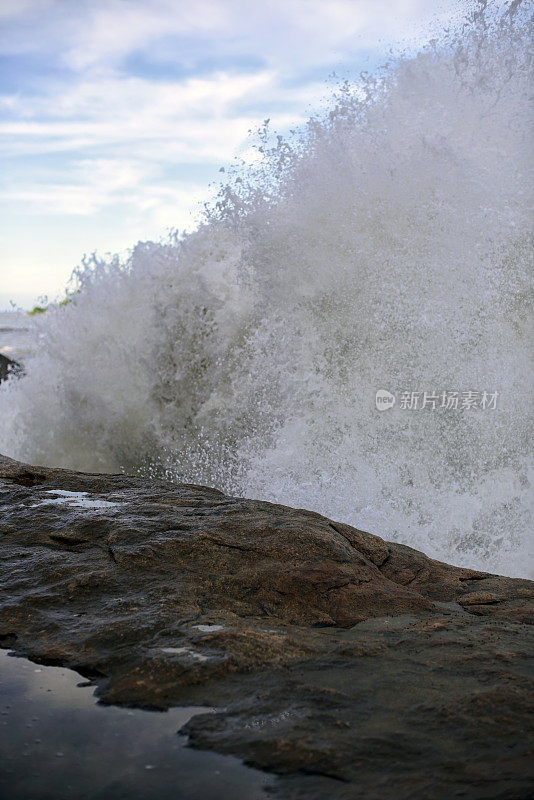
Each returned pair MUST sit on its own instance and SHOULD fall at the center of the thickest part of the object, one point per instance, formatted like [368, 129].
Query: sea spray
[388, 246]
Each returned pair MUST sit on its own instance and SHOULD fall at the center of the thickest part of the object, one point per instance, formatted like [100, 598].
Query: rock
[8, 367]
[349, 666]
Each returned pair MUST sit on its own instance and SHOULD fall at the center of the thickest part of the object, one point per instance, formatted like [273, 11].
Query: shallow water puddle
[208, 628]
[76, 500]
[56, 742]
[185, 651]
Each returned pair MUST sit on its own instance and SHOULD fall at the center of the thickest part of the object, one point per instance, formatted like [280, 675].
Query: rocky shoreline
[348, 666]
[9, 367]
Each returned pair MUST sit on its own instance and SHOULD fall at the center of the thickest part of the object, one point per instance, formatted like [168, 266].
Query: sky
[116, 116]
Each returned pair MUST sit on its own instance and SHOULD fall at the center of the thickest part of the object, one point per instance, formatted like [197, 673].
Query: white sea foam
[386, 246]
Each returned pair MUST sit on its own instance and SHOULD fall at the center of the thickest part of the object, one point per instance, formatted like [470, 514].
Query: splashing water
[386, 246]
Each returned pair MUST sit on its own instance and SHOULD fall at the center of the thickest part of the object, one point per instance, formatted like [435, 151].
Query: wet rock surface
[349, 666]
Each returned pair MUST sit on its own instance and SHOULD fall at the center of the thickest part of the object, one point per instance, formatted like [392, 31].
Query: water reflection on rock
[56, 742]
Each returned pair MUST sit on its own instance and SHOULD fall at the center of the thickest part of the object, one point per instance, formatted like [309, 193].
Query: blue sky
[116, 115]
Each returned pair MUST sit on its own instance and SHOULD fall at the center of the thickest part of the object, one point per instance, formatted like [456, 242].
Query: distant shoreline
[15, 335]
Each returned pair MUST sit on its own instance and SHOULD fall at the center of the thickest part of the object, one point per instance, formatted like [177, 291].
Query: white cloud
[96, 33]
[11, 9]
[114, 29]
[94, 184]
[113, 149]
[197, 120]
[118, 137]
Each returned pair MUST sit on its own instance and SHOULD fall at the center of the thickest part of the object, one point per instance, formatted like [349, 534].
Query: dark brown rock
[350, 666]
